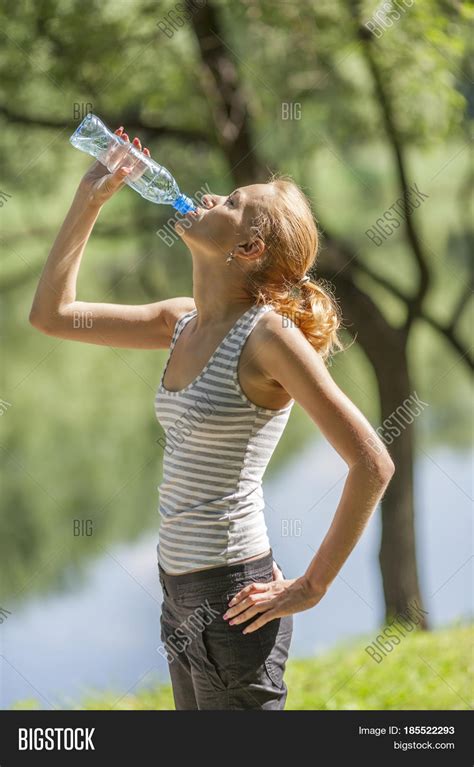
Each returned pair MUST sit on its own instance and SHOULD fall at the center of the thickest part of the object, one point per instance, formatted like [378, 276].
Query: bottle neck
[183, 204]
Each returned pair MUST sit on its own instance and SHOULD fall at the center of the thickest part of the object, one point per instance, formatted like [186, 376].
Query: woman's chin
[178, 226]
[187, 233]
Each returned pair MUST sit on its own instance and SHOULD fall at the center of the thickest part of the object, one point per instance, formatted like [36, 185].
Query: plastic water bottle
[155, 183]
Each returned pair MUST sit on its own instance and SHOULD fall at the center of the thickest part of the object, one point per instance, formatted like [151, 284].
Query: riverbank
[427, 670]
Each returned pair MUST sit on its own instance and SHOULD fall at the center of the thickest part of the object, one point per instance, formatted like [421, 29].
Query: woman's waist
[196, 502]
[217, 580]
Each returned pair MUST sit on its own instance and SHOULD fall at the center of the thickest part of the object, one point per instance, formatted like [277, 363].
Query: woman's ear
[252, 249]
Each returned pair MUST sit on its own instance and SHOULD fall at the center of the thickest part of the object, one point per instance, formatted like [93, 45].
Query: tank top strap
[251, 320]
[243, 328]
[180, 325]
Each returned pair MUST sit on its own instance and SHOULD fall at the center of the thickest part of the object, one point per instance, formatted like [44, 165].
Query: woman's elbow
[384, 468]
[376, 466]
[41, 323]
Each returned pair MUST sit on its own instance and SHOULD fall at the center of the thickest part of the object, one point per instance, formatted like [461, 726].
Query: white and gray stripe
[218, 445]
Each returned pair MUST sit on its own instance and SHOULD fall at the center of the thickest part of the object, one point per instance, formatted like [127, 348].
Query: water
[104, 634]
[149, 179]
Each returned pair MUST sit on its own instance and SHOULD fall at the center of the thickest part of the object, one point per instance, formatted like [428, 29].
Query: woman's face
[223, 222]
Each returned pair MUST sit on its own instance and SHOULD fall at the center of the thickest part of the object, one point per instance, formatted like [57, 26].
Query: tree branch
[415, 303]
[225, 95]
[383, 282]
[461, 305]
[447, 330]
[132, 122]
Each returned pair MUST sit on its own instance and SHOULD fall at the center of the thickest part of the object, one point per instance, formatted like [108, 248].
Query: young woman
[236, 366]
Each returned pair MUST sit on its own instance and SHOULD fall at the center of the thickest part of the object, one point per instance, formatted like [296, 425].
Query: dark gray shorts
[214, 665]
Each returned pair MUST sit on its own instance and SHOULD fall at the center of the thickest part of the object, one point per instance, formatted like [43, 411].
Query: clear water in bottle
[149, 179]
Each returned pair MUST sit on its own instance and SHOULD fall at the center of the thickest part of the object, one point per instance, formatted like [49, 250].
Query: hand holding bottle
[99, 185]
[147, 177]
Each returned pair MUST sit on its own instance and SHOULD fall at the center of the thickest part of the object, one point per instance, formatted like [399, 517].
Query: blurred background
[367, 106]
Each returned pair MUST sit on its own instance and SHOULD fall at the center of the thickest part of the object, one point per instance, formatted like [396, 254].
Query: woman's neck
[219, 294]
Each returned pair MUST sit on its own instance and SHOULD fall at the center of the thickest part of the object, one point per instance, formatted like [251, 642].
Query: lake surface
[103, 635]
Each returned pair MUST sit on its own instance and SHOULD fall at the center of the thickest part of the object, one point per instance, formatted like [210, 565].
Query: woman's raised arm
[55, 310]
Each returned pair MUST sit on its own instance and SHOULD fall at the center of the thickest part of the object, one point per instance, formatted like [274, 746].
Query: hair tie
[303, 280]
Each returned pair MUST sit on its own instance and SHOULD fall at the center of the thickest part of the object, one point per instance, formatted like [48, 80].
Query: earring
[229, 257]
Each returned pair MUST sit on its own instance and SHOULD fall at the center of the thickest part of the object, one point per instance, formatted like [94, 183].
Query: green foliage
[80, 435]
[427, 671]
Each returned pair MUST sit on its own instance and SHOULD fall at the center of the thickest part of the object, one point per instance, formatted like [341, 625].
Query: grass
[426, 671]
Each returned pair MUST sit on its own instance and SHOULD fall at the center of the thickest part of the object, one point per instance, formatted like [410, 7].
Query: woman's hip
[222, 659]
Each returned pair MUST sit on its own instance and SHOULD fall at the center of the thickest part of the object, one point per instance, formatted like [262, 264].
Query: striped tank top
[217, 446]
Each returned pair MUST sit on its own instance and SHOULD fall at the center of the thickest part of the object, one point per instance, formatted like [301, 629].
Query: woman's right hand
[98, 185]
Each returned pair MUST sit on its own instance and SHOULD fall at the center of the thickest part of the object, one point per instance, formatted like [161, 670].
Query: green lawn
[427, 670]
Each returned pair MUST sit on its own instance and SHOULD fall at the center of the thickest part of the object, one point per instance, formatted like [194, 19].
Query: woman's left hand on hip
[271, 600]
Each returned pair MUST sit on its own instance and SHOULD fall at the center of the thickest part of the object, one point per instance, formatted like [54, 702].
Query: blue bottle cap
[183, 204]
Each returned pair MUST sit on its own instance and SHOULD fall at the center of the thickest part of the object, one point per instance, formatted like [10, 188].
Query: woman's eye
[229, 201]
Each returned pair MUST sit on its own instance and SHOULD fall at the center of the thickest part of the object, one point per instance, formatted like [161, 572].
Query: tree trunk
[398, 550]
[385, 347]
[227, 102]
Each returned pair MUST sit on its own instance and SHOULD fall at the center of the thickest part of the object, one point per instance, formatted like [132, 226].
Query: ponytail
[290, 233]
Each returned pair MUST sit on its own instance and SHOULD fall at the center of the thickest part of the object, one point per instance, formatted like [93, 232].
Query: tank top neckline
[189, 316]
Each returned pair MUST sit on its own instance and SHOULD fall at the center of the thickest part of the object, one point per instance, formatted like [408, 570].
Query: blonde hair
[287, 226]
